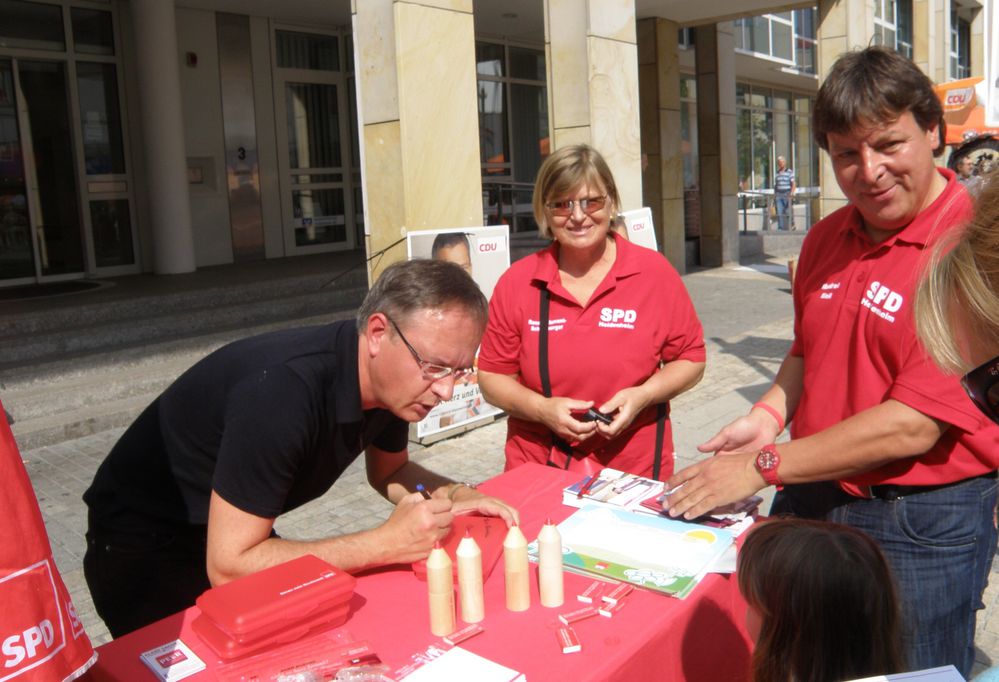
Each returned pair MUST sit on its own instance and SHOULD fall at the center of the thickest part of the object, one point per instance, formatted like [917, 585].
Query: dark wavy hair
[827, 601]
[876, 85]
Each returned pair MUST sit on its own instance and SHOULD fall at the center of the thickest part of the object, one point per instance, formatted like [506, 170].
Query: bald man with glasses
[188, 496]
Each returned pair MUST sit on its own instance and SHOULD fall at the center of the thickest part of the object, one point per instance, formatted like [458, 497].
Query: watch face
[766, 460]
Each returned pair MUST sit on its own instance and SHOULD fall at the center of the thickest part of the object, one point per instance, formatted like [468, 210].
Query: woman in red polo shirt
[592, 321]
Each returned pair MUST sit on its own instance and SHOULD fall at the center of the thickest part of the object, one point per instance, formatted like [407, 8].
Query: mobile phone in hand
[595, 415]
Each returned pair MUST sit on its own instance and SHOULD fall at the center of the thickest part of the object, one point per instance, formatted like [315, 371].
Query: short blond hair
[567, 169]
[963, 273]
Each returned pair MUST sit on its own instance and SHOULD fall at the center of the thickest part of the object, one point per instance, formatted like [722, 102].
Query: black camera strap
[546, 389]
[546, 382]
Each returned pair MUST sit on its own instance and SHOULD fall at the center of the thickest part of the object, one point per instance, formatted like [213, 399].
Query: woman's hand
[623, 407]
[560, 416]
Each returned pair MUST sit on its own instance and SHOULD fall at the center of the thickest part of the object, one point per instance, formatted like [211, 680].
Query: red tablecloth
[653, 638]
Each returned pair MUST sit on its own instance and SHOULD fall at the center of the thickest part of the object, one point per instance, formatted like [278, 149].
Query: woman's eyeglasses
[982, 385]
[565, 208]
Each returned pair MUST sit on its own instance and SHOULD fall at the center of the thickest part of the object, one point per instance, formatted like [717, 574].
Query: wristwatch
[767, 461]
[459, 484]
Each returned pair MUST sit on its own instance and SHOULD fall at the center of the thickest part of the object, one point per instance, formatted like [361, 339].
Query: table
[653, 638]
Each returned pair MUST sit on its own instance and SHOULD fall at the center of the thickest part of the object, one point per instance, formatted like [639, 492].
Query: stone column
[844, 25]
[930, 37]
[979, 51]
[662, 176]
[592, 62]
[415, 65]
[162, 123]
[716, 140]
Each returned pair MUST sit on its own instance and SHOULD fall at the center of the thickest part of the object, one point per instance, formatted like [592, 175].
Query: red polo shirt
[854, 327]
[640, 314]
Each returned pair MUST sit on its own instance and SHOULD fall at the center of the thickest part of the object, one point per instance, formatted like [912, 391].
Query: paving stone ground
[746, 312]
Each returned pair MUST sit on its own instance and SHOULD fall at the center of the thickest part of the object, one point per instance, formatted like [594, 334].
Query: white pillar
[158, 77]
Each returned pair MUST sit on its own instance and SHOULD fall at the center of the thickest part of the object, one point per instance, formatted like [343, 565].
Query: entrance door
[17, 260]
[38, 186]
[317, 193]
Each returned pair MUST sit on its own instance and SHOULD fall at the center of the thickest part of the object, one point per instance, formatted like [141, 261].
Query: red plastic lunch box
[274, 606]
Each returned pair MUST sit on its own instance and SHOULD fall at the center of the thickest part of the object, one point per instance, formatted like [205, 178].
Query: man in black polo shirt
[188, 496]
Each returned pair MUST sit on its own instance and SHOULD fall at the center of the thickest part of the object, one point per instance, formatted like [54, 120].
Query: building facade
[163, 136]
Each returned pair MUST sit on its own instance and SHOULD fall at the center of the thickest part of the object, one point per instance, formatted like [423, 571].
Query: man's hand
[748, 433]
[467, 500]
[707, 485]
[414, 526]
[727, 477]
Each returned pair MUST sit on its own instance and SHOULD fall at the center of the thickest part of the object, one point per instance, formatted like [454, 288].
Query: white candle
[550, 565]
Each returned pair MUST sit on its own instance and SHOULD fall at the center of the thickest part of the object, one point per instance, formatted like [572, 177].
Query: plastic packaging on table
[321, 657]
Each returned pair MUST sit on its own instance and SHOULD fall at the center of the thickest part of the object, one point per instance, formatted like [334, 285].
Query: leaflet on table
[611, 486]
[456, 663]
[736, 517]
[947, 673]
[654, 552]
[646, 496]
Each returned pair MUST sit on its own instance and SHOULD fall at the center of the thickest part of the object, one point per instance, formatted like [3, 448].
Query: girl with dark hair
[822, 603]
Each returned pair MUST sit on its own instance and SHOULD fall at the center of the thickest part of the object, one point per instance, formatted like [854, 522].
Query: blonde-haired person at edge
[957, 304]
[957, 311]
[621, 333]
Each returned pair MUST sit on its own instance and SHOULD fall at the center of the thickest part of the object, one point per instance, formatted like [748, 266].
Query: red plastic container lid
[277, 598]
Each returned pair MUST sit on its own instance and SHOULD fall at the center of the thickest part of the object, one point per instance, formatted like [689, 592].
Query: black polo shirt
[269, 423]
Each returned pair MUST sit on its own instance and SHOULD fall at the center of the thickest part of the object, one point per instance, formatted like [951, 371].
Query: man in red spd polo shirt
[881, 439]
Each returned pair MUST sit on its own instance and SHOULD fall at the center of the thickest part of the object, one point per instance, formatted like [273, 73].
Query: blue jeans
[782, 206]
[940, 545]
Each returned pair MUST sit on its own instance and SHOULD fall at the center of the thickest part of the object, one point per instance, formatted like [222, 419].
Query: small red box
[274, 606]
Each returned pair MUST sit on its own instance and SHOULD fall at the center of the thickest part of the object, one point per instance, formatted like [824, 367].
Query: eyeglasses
[982, 385]
[589, 205]
[431, 371]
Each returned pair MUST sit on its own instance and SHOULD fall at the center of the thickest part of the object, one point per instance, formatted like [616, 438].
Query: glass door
[54, 203]
[40, 228]
[65, 190]
[317, 192]
[17, 260]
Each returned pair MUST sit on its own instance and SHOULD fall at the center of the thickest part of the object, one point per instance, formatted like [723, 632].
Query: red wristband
[773, 413]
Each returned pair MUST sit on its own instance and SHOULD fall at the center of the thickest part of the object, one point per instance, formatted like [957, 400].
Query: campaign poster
[640, 229]
[484, 252]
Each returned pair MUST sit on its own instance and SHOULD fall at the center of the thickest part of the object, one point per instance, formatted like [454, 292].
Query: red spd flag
[40, 636]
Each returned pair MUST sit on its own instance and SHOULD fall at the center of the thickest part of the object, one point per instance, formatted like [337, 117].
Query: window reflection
[32, 25]
[100, 121]
[313, 125]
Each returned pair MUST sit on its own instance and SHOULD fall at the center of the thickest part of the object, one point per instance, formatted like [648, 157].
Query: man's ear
[938, 136]
[375, 332]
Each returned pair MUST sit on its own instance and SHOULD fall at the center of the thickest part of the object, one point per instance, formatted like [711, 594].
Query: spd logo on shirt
[29, 637]
[617, 318]
[882, 301]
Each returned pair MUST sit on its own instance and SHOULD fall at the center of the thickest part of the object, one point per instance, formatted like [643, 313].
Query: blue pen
[423, 491]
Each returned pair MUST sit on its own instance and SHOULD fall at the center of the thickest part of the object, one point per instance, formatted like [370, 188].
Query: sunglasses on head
[565, 208]
[982, 386]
